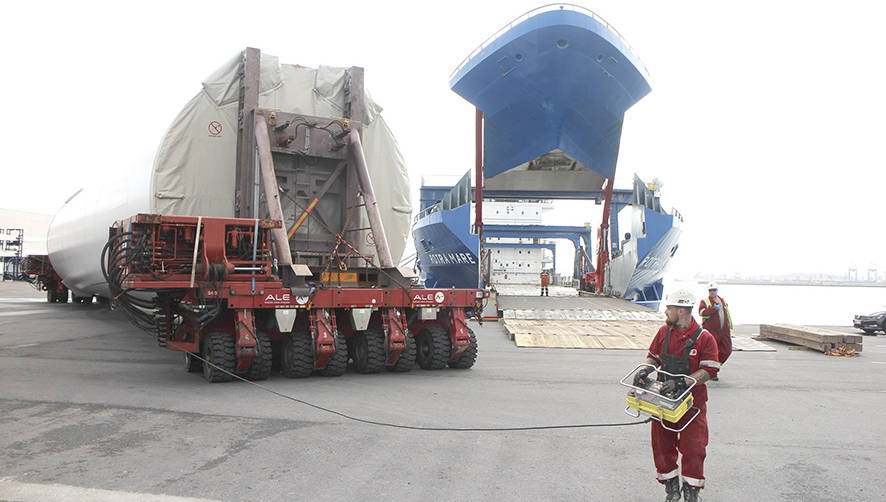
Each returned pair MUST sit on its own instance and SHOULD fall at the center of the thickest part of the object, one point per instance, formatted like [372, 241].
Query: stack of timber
[823, 340]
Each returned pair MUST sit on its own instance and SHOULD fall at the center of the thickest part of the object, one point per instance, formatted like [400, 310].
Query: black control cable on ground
[412, 427]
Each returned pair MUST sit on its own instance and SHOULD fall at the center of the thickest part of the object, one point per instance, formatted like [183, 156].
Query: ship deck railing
[426, 211]
[539, 10]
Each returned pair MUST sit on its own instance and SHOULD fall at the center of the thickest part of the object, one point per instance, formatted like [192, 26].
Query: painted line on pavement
[20, 346]
[33, 492]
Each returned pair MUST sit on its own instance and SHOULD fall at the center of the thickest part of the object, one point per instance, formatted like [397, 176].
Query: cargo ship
[551, 89]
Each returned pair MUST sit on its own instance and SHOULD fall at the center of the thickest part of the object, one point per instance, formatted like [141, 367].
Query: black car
[871, 323]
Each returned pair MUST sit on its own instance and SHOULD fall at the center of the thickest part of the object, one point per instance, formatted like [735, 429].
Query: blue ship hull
[560, 80]
[553, 90]
[447, 251]
[637, 272]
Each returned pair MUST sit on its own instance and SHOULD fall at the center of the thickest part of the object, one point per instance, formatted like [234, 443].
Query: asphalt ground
[92, 409]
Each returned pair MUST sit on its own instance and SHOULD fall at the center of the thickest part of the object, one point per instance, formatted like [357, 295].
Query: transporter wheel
[260, 369]
[62, 296]
[338, 362]
[50, 295]
[369, 351]
[218, 351]
[406, 361]
[83, 300]
[469, 356]
[192, 364]
[298, 357]
[433, 348]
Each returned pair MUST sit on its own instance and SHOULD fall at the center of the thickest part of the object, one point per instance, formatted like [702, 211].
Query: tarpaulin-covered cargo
[194, 169]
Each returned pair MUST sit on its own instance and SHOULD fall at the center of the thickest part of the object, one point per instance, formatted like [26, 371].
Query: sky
[765, 120]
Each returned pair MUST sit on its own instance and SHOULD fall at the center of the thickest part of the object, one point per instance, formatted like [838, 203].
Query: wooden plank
[581, 334]
[798, 340]
[618, 342]
[815, 338]
[782, 337]
[819, 334]
[557, 341]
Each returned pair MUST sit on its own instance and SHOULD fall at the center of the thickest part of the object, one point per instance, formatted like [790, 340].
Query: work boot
[672, 488]
[691, 493]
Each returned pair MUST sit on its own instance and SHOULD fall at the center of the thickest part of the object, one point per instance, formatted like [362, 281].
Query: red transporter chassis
[223, 301]
[46, 278]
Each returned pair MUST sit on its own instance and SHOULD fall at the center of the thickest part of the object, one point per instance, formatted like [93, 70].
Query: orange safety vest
[544, 280]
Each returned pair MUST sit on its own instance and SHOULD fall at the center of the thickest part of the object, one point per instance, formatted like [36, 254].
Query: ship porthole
[518, 57]
[562, 43]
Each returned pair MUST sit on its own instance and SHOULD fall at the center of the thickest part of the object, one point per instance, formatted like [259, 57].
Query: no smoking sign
[215, 128]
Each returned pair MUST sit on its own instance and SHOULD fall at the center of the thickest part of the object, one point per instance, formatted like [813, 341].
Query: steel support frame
[245, 205]
[323, 330]
[459, 337]
[394, 328]
[245, 342]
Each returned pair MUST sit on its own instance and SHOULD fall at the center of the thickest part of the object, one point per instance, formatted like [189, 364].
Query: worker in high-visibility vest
[715, 318]
[544, 283]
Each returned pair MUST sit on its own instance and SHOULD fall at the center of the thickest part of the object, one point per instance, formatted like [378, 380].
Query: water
[808, 305]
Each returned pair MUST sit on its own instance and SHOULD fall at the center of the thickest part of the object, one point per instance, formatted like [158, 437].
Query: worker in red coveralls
[715, 318]
[681, 347]
[544, 283]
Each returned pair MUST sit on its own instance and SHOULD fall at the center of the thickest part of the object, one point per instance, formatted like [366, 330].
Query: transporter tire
[298, 357]
[260, 369]
[369, 351]
[62, 297]
[406, 361]
[192, 364]
[469, 356]
[83, 300]
[337, 364]
[50, 295]
[433, 348]
[219, 354]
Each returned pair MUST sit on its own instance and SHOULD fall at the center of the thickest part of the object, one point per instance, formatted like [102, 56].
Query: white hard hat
[712, 285]
[681, 298]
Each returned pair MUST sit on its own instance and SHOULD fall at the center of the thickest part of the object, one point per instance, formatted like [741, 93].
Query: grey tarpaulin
[194, 169]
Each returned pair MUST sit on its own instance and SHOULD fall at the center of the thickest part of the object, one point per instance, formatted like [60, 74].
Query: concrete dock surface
[92, 409]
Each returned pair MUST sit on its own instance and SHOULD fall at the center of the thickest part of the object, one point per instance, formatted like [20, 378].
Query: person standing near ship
[681, 347]
[544, 282]
[715, 318]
